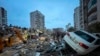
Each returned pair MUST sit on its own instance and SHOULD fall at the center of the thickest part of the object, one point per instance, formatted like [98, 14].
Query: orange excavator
[10, 40]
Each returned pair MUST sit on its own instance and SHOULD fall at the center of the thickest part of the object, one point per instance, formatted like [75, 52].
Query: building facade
[77, 18]
[90, 15]
[83, 14]
[3, 16]
[94, 15]
[37, 20]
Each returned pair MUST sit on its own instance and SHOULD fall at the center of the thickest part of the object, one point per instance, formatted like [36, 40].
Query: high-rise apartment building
[3, 16]
[94, 15]
[77, 18]
[90, 15]
[37, 20]
[83, 14]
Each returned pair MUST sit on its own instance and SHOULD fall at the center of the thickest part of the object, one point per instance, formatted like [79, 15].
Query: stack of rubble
[28, 49]
[20, 50]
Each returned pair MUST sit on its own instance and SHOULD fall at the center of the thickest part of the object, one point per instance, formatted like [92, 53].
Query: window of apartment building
[91, 3]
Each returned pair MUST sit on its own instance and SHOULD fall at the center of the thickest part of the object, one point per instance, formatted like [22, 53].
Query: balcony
[91, 3]
[92, 9]
[92, 18]
[92, 6]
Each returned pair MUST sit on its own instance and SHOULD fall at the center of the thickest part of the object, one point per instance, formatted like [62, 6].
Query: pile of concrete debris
[27, 49]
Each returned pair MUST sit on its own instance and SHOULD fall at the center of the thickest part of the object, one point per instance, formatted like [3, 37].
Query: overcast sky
[58, 13]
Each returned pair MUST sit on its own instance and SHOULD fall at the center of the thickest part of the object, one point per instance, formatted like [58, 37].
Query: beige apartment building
[77, 18]
[90, 15]
[37, 20]
[94, 15]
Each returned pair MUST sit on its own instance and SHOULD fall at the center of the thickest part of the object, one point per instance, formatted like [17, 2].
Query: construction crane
[9, 40]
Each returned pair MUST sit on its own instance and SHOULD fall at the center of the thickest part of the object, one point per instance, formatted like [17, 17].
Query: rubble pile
[28, 49]
[21, 49]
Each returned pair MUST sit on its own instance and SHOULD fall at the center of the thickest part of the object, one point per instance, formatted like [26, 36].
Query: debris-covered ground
[35, 47]
[21, 49]
[31, 48]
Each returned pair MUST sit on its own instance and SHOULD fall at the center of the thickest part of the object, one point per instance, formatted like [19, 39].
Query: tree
[10, 25]
[70, 29]
[24, 28]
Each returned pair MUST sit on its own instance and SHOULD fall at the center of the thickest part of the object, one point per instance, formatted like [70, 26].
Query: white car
[82, 42]
[97, 34]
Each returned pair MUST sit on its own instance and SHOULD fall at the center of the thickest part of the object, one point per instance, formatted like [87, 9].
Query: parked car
[82, 42]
